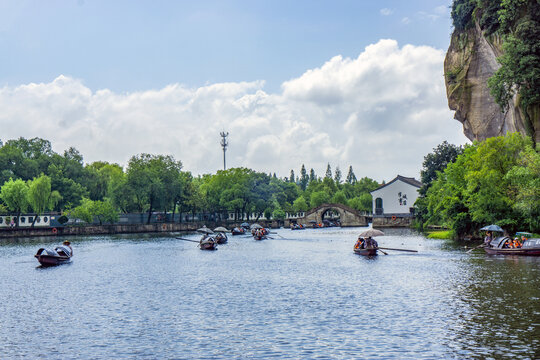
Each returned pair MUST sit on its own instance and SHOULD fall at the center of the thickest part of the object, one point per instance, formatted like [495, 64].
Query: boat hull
[366, 252]
[208, 246]
[51, 260]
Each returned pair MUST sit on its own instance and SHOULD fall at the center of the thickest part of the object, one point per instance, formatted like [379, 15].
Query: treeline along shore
[35, 179]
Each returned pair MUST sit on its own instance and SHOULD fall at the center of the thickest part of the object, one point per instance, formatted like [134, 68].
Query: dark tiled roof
[407, 180]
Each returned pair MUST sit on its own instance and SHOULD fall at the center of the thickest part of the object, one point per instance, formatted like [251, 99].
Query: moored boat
[497, 246]
[59, 255]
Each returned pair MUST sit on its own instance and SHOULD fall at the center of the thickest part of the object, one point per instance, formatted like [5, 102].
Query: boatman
[371, 243]
[488, 238]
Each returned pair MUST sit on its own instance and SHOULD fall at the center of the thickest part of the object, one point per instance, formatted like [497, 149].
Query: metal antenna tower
[224, 144]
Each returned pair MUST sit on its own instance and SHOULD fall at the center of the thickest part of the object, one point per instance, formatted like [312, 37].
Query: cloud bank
[381, 112]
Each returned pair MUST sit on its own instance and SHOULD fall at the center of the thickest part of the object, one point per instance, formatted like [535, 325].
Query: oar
[196, 241]
[474, 248]
[385, 253]
[397, 249]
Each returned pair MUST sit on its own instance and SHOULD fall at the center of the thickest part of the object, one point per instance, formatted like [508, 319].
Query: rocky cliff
[470, 61]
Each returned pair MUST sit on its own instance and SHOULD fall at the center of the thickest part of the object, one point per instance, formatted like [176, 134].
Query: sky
[346, 83]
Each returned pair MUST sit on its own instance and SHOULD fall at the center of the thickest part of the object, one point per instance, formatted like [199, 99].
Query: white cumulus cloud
[380, 112]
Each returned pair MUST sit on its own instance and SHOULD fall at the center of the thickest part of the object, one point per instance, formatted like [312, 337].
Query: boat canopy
[498, 242]
[64, 249]
[44, 251]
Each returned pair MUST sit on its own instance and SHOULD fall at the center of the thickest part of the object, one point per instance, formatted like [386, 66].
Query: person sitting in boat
[68, 244]
[360, 243]
[516, 243]
[507, 244]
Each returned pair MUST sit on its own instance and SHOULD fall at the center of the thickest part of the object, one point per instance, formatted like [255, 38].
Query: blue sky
[90, 53]
[136, 45]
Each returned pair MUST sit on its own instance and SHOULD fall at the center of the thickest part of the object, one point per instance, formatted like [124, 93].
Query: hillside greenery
[517, 23]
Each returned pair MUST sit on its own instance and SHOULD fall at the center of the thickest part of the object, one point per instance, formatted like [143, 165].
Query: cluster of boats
[523, 244]
[211, 239]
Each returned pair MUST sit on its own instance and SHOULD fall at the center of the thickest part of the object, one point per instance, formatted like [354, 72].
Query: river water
[301, 295]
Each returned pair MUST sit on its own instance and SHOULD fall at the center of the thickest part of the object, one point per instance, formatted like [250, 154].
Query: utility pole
[224, 144]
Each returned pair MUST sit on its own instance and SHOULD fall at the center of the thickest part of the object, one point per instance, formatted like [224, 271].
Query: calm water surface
[302, 294]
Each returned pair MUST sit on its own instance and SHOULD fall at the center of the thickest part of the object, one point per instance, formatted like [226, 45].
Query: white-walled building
[396, 198]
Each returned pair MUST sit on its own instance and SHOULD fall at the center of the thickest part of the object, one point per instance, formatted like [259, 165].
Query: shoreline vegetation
[35, 179]
[496, 181]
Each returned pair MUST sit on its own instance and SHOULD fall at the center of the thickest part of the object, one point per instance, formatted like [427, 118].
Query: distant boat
[60, 255]
[238, 231]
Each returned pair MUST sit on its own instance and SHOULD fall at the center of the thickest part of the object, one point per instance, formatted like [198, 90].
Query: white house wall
[390, 195]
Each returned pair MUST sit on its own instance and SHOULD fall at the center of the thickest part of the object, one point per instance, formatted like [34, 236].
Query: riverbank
[104, 229]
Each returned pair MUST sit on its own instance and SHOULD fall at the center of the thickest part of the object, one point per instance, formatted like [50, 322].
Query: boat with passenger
[523, 245]
[59, 255]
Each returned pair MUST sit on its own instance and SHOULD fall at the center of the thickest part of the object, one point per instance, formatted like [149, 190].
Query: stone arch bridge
[347, 216]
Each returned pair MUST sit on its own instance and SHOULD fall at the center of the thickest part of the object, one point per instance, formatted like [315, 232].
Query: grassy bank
[439, 234]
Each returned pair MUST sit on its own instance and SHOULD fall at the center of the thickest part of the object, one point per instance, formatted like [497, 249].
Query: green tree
[300, 204]
[437, 161]
[40, 196]
[14, 193]
[152, 179]
[312, 176]
[351, 178]
[304, 178]
[319, 198]
[291, 177]
[337, 175]
[339, 198]
[480, 187]
[328, 174]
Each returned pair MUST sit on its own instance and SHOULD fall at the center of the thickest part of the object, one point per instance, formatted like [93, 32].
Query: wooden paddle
[385, 253]
[397, 249]
[196, 241]
[474, 248]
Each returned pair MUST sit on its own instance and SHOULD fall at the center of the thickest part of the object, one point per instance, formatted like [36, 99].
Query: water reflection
[302, 294]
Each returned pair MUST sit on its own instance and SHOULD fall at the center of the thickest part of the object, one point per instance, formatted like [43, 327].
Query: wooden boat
[60, 255]
[208, 243]
[221, 238]
[366, 252]
[238, 231]
[530, 247]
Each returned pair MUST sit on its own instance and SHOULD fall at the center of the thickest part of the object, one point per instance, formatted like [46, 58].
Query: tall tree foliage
[480, 187]
[40, 196]
[14, 193]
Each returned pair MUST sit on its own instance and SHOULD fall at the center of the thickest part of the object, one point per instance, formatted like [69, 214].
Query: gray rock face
[470, 61]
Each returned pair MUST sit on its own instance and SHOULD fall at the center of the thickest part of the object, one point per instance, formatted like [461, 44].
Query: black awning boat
[501, 246]
[60, 255]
